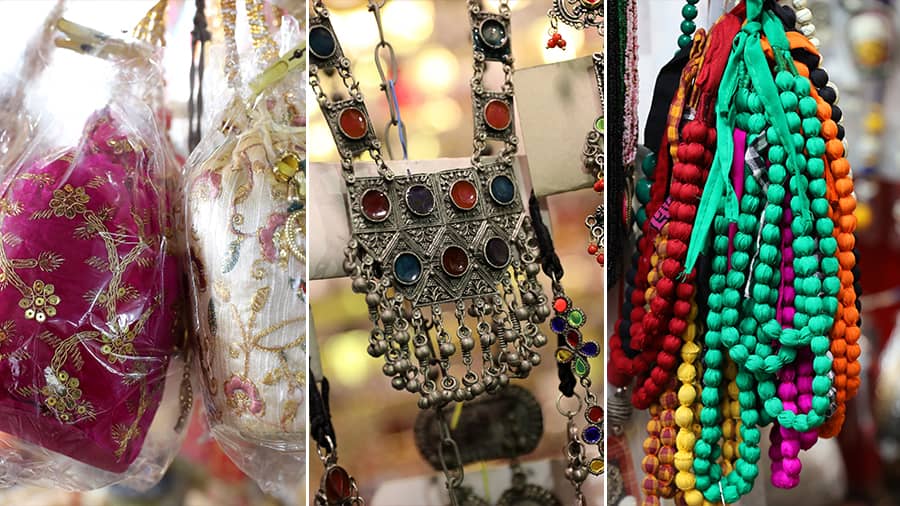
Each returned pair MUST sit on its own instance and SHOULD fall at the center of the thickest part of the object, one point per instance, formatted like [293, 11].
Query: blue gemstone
[407, 268]
[503, 190]
[592, 435]
[321, 42]
[493, 33]
[558, 325]
[590, 349]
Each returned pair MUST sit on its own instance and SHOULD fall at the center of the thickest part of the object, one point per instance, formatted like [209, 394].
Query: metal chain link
[453, 474]
[388, 82]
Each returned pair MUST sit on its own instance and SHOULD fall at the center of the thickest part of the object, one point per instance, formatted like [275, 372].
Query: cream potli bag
[246, 225]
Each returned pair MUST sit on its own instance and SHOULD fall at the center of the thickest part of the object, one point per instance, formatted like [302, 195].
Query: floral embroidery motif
[63, 397]
[243, 396]
[69, 201]
[39, 302]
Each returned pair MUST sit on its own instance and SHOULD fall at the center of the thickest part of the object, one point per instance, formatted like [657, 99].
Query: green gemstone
[687, 27]
[641, 216]
[684, 41]
[600, 125]
[648, 164]
[689, 11]
[642, 190]
[576, 318]
[580, 367]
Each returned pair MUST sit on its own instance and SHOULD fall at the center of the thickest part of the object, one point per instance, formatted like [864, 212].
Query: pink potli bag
[87, 331]
[93, 389]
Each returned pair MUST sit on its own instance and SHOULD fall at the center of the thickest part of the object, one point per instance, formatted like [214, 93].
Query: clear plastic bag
[245, 213]
[93, 390]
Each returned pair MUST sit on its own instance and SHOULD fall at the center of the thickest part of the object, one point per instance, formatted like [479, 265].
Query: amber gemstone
[353, 123]
[337, 485]
[464, 194]
[375, 205]
[455, 261]
[496, 114]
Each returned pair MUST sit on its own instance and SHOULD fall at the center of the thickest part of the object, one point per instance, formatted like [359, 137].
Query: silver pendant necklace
[447, 260]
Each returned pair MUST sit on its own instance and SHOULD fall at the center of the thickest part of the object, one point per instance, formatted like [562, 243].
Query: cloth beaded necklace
[769, 334]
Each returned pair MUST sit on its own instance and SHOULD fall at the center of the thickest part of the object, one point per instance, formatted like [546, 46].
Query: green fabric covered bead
[742, 100]
[801, 85]
[798, 141]
[815, 167]
[771, 233]
[819, 345]
[813, 304]
[786, 418]
[774, 212]
[815, 146]
[822, 365]
[713, 358]
[828, 246]
[749, 453]
[784, 80]
[702, 449]
[830, 266]
[773, 406]
[789, 103]
[824, 227]
[808, 107]
[820, 404]
[819, 206]
[754, 103]
[821, 384]
[812, 127]
[812, 285]
[746, 399]
[775, 194]
[756, 123]
[709, 416]
[803, 246]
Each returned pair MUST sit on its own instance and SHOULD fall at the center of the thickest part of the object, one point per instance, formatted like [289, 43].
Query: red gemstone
[353, 123]
[464, 194]
[375, 205]
[595, 414]
[560, 305]
[337, 485]
[573, 338]
[455, 261]
[496, 114]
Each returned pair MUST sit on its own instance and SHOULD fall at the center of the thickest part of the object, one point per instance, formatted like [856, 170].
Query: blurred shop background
[201, 475]
[374, 422]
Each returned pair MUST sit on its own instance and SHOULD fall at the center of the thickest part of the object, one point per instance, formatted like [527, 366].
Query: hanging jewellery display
[592, 155]
[337, 487]
[455, 238]
[423, 242]
[580, 14]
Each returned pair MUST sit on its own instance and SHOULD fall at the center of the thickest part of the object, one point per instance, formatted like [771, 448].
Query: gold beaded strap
[266, 49]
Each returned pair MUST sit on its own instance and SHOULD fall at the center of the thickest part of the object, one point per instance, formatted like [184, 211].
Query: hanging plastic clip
[291, 61]
[84, 40]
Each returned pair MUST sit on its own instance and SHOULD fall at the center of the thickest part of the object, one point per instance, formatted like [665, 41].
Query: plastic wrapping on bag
[92, 389]
[245, 187]
[16, 121]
